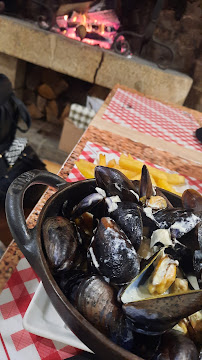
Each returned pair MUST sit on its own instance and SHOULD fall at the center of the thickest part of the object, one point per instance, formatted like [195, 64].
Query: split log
[65, 113]
[41, 103]
[46, 92]
[52, 112]
[34, 111]
[55, 81]
[60, 87]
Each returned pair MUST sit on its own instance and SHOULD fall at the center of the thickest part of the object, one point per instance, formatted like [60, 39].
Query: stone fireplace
[80, 45]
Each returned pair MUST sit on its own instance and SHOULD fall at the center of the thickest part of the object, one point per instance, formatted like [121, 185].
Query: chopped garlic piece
[161, 235]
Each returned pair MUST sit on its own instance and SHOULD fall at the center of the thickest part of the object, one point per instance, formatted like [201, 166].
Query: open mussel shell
[158, 314]
[114, 182]
[137, 288]
[113, 254]
[155, 314]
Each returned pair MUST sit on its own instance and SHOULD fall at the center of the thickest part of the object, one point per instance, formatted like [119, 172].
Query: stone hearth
[27, 42]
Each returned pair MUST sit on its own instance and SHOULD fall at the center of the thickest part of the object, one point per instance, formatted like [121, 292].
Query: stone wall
[185, 39]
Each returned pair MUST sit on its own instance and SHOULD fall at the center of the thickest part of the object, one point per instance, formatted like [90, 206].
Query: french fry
[152, 180]
[166, 186]
[132, 168]
[137, 177]
[156, 173]
[130, 164]
[111, 163]
[129, 174]
[130, 157]
[102, 160]
[86, 168]
[135, 165]
[175, 179]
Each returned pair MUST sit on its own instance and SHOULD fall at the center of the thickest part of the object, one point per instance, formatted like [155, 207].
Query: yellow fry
[86, 168]
[130, 157]
[152, 180]
[135, 165]
[156, 173]
[129, 174]
[111, 163]
[175, 179]
[102, 160]
[137, 177]
[130, 164]
[166, 186]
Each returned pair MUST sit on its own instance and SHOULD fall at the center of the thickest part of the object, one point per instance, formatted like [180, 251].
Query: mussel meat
[148, 303]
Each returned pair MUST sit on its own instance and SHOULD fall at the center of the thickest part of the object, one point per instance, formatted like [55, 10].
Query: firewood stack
[45, 95]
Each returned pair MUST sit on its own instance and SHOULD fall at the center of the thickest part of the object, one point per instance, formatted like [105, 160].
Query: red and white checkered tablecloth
[15, 342]
[153, 118]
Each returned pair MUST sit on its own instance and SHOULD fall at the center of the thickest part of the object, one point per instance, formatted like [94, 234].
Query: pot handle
[24, 237]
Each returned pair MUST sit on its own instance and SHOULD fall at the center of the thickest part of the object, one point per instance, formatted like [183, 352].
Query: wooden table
[119, 138]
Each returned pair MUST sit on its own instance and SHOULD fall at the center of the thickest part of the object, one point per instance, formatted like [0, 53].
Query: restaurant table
[158, 133]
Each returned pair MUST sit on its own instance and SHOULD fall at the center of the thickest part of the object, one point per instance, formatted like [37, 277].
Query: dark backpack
[12, 110]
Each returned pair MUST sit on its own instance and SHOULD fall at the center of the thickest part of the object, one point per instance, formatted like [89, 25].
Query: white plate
[42, 319]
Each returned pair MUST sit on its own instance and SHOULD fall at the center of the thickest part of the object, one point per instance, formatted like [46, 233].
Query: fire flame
[104, 23]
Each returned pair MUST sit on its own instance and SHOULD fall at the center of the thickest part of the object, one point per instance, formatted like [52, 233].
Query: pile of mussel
[129, 258]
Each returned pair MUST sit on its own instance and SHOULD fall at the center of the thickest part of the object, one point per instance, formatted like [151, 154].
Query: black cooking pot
[30, 243]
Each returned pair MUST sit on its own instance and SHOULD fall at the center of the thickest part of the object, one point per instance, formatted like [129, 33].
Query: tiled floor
[44, 138]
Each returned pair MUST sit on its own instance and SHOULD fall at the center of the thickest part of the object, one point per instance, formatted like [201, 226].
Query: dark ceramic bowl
[30, 243]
